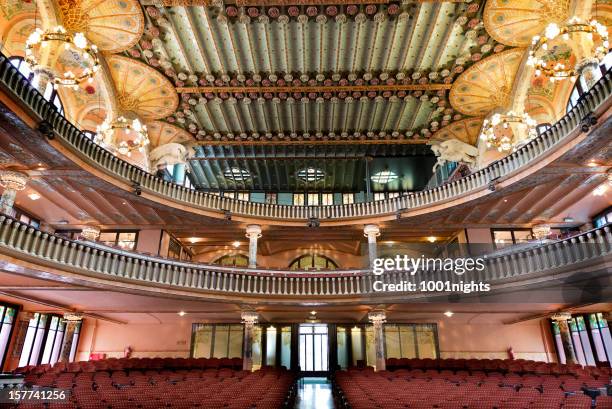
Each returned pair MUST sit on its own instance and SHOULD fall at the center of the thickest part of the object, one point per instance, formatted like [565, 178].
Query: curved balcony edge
[98, 265]
[132, 177]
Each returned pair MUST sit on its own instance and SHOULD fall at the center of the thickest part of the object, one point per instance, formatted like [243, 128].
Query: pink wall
[146, 340]
[529, 340]
[149, 241]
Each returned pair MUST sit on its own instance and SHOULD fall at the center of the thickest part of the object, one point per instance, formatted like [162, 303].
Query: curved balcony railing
[76, 141]
[24, 242]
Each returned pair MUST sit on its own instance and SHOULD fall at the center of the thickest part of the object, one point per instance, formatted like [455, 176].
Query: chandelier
[13, 180]
[122, 135]
[501, 130]
[542, 53]
[44, 39]
[541, 231]
[90, 233]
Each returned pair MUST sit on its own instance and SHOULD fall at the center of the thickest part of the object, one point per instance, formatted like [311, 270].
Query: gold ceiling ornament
[113, 25]
[465, 130]
[59, 39]
[487, 84]
[541, 231]
[122, 135]
[141, 89]
[508, 130]
[514, 23]
[565, 51]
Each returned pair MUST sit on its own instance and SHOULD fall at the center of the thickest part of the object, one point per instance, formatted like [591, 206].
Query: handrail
[23, 241]
[75, 140]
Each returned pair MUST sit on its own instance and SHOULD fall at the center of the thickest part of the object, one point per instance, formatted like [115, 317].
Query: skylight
[237, 174]
[384, 176]
[311, 174]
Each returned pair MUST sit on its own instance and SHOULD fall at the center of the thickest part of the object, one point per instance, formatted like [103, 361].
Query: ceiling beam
[260, 142]
[187, 3]
[316, 88]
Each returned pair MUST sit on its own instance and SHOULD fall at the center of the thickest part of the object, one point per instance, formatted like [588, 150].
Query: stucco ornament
[454, 150]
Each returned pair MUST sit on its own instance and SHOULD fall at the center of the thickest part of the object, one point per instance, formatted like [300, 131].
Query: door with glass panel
[314, 348]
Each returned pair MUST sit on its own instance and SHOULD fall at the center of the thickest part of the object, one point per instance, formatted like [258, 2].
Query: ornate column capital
[249, 318]
[377, 317]
[72, 317]
[561, 316]
[371, 230]
[253, 231]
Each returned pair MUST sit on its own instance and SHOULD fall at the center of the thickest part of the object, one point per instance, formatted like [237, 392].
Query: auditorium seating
[471, 384]
[164, 383]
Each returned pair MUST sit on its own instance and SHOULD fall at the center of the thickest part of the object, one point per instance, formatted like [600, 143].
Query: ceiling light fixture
[449, 314]
[505, 131]
[236, 244]
[311, 174]
[384, 176]
[431, 239]
[122, 135]
[41, 40]
[193, 240]
[182, 313]
[547, 61]
[34, 196]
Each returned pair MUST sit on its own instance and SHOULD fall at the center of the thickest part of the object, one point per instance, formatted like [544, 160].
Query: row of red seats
[212, 388]
[120, 364]
[500, 365]
[364, 389]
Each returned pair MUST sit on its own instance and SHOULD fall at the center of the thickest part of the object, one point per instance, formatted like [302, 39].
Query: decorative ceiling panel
[311, 72]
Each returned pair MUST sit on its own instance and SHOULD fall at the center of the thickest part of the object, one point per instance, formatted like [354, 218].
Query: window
[298, 199]
[26, 218]
[125, 240]
[507, 237]
[541, 128]
[233, 260]
[217, 340]
[379, 196]
[7, 320]
[602, 339]
[243, 196]
[174, 249]
[348, 198]
[411, 340]
[392, 195]
[271, 198]
[231, 195]
[313, 199]
[55, 338]
[603, 218]
[327, 199]
[50, 93]
[313, 262]
[32, 344]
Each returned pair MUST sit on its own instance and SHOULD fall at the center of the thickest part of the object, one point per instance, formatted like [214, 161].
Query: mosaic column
[566, 337]
[72, 322]
[249, 319]
[371, 231]
[378, 318]
[12, 182]
[253, 232]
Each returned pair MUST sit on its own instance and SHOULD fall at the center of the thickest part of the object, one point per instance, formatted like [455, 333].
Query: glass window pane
[522, 236]
[221, 341]
[502, 238]
[271, 346]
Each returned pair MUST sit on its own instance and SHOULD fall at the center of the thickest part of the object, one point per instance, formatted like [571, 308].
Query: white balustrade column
[371, 231]
[12, 182]
[249, 319]
[253, 232]
[378, 319]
